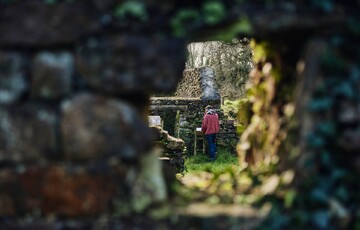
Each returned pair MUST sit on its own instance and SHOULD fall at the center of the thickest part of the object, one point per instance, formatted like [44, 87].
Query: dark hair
[208, 107]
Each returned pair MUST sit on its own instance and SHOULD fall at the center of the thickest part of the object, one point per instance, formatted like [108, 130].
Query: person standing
[210, 127]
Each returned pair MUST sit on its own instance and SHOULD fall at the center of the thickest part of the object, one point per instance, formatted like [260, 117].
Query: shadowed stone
[95, 127]
[56, 190]
[27, 133]
[8, 184]
[12, 77]
[123, 64]
[81, 194]
[36, 23]
[52, 74]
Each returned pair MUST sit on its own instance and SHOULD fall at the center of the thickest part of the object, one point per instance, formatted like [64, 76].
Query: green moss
[228, 33]
[134, 9]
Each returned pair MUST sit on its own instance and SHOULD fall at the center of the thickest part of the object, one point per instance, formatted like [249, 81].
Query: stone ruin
[198, 83]
[183, 112]
[172, 149]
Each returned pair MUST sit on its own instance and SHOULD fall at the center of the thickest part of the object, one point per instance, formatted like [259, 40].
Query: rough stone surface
[208, 85]
[169, 143]
[99, 127]
[56, 190]
[27, 133]
[38, 24]
[82, 194]
[189, 86]
[12, 77]
[121, 64]
[155, 121]
[52, 74]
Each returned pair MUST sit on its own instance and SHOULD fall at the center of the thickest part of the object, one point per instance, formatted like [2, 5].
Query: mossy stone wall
[188, 115]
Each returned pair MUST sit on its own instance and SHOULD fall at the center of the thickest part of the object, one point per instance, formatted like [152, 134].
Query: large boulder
[27, 133]
[99, 127]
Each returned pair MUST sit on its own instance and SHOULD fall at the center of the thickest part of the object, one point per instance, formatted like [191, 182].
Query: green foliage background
[324, 193]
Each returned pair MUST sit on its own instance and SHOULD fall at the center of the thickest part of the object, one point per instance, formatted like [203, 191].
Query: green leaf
[289, 198]
[182, 20]
[132, 8]
[242, 26]
[214, 12]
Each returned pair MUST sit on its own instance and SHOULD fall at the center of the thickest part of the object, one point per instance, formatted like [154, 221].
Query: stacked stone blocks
[191, 112]
[74, 137]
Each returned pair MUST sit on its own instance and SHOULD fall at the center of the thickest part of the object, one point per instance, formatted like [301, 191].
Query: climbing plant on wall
[313, 132]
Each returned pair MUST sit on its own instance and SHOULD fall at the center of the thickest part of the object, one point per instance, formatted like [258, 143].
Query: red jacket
[210, 124]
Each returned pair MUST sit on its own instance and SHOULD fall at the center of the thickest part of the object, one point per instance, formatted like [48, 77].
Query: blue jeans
[211, 139]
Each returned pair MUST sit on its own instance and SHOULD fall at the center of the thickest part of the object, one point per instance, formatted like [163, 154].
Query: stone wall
[55, 134]
[189, 85]
[74, 86]
[183, 114]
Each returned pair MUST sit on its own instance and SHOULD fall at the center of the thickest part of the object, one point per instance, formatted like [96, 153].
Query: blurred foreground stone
[96, 127]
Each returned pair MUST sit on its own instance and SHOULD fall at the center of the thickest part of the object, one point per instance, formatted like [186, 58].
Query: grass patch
[223, 163]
